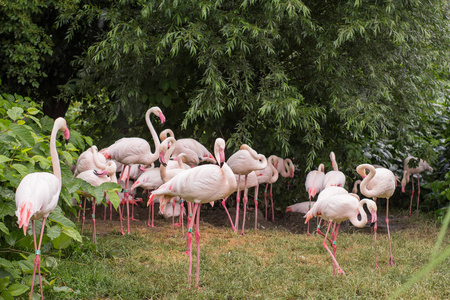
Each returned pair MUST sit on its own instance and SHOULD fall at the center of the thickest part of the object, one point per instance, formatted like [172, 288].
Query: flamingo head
[162, 160]
[162, 117]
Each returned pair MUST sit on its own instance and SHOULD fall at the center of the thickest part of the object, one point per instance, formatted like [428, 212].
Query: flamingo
[89, 160]
[339, 208]
[170, 169]
[135, 171]
[95, 178]
[286, 168]
[379, 183]
[314, 184]
[193, 149]
[243, 162]
[199, 185]
[269, 175]
[134, 150]
[302, 207]
[355, 186]
[37, 196]
[149, 180]
[334, 177]
[409, 172]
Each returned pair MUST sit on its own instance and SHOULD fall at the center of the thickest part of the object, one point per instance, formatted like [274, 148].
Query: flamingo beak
[162, 117]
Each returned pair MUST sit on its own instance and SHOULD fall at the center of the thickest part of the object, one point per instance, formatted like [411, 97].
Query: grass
[264, 264]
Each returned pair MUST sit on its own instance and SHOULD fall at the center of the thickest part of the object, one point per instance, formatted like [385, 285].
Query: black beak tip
[372, 224]
[221, 164]
[67, 141]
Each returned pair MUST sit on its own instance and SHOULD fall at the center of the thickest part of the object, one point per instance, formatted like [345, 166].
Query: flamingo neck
[54, 153]
[363, 186]
[96, 159]
[354, 219]
[154, 155]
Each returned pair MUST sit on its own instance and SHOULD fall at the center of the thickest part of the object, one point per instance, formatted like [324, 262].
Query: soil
[216, 216]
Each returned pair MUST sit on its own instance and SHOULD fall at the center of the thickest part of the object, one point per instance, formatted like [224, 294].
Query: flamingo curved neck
[97, 161]
[154, 155]
[354, 219]
[363, 186]
[274, 177]
[333, 161]
[54, 153]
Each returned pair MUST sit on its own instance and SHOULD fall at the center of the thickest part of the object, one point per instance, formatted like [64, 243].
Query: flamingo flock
[189, 173]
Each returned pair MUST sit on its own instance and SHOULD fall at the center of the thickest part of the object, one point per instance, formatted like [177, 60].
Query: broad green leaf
[5, 280]
[113, 198]
[4, 159]
[6, 295]
[68, 157]
[73, 233]
[33, 110]
[5, 263]
[23, 171]
[17, 289]
[58, 217]
[15, 113]
[3, 228]
[61, 242]
[44, 162]
[25, 265]
[7, 208]
[54, 231]
[23, 134]
[88, 140]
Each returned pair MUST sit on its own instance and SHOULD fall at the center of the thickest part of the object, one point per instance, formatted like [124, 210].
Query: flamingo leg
[197, 239]
[104, 214]
[110, 211]
[238, 200]
[173, 217]
[228, 213]
[126, 197]
[391, 258]
[271, 201]
[412, 195]
[120, 218]
[37, 259]
[245, 205]
[83, 217]
[265, 198]
[94, 232]
[335, 263]
[189, 242]
[418, 194]
[309, 207]
[181, 216]
[256, 206]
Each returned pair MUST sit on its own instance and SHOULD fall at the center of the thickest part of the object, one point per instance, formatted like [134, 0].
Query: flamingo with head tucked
[379, 183]
[410, 172]
[134, 150]
[198, 185]
[37, 196]
[314, 184]
[89, 160]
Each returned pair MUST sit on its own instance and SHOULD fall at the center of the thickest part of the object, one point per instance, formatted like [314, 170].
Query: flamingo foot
[391, 261]
[340, 271]
[133, 219]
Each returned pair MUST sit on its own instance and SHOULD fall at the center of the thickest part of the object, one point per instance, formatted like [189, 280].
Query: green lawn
[264, 264]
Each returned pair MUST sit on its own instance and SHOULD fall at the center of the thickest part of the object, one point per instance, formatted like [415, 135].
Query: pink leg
[189, 242]
[320, 232]
[120, 218]
[256, 206]
[197, 239]
[412, 194]
[271, 201]
[110, 211]
[149, 211]
[225, 206]
[238, 199]
[104, 214]
[245, 205]
[375, 244]
[418, 194]
[94, 232]
[37, 259]
[126, 197]
[391, 258]
[309, 207]
[173, 217]
[181, 216]
[335, 263]
[83, 217]
[265, 198]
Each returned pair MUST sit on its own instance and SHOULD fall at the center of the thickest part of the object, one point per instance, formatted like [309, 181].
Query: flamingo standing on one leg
[37, 196]
[314, 184]
[243, 162]
[199, 185]
[339, 208]
[409, 172]
[135, 151]
[379, 183]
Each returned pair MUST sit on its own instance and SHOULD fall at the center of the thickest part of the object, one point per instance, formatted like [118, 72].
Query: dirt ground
[216, 216]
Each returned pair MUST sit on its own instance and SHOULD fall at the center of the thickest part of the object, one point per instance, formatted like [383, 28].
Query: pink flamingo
[355, 186]
[334, 177]
[89, 160]
[135, 171]
[269, 175]
[379, 183]
[410, 172]
[95, 178]
[286, 169]
[130, 151]
[170, 169]
[149, 180]
[339, 208]
[314, 184]
[37, 196]
[199, 185]
[194, 150]
[243, 162]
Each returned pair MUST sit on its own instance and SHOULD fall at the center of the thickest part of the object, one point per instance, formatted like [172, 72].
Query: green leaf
[33, 110]
[23, 171]
[4, 281]
[23, 134]
[73, 233]
[15, 113]
[68, 157]
[17, 289]
[54, 231]
[4, 159]
[61, 242]
[5, 263]
[6, 295]
[7, 208]
[62, 289]
[60, 219]
[44, 162]
[3, 228]
[113, 198]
